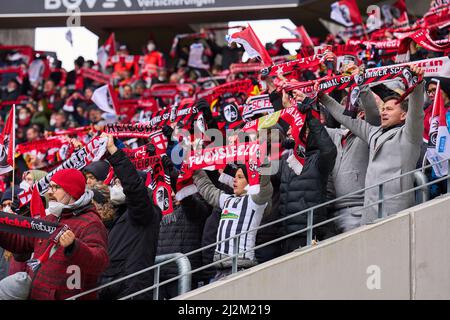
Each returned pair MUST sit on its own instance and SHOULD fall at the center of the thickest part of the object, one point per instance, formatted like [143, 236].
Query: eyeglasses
[54, 187]
[431, 91]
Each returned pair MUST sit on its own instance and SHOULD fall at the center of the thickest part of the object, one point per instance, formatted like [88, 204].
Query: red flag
[252, 45]
[346, 12]
[107, 50]
[110, 45]
[7, 143]
[37, 208]
[304, 37]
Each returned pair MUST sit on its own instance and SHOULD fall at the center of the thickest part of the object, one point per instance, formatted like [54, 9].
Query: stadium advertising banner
[19, 8]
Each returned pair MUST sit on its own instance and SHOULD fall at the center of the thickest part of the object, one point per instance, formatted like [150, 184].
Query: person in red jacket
[81, 253]
[153, 60]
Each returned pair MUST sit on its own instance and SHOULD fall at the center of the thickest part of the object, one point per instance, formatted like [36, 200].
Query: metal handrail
[183, 265]
[278, 239]
[310, 227]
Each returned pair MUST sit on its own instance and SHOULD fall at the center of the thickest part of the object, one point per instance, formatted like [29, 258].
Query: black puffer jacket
[299, 192]
[182, 231]
[133, 237]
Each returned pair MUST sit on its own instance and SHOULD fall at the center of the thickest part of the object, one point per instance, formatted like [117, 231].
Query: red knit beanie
[72, 181]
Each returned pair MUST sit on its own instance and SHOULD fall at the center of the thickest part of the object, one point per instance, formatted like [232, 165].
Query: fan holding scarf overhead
[74, 235]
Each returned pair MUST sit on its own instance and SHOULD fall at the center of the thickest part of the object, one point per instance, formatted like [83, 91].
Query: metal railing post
[309, 232]
[380, 204]
[183, 267]
[234, 267]
[156, 282]
[423, 194]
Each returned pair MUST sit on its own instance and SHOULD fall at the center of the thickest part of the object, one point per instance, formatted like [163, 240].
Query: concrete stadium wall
[406, 256]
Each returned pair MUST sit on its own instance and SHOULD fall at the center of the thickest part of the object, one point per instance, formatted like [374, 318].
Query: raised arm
[359, 127]
[141, 209]
[369, 104]
[206, 188]
[265, 191]
[320, 139]
[414, 117]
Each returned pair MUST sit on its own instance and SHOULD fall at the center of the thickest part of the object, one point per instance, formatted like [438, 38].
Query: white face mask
[55, 208]
[117, 195]
[150, 47]
[7, 209]
[23, 116]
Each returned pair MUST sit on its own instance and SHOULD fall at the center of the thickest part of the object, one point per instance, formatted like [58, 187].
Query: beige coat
[391, 153]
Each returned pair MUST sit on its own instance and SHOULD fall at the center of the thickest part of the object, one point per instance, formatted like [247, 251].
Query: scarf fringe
[171, 217]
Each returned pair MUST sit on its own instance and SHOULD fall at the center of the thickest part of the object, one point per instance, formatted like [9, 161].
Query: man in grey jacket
[394, 148]
[350, 168]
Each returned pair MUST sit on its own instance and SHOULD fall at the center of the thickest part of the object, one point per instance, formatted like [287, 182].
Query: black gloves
[151, 150]
[288, 144]
[203, 106]
[167, 132]
[303, 108]
[167, 163]
[306, 107]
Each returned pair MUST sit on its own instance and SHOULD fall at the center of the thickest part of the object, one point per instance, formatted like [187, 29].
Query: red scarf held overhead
[257, 105]
[296, 121]
[157, 180]
[216, 158]
[422, 38]
[42, 145]
[141, 159]
[290, 66]
[92, 151]
[128, 108]
[234, 87]
[246, 67]
[370, 76]
[130, 130]
[184, 113]
[160, 185]
[95, 75]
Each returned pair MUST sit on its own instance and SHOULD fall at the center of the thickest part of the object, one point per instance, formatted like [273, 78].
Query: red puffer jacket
[89, 253]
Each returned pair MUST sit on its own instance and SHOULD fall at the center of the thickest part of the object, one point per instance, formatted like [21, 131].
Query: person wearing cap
[83, 245]
[133, 235]
[394, 147]
[95, 172]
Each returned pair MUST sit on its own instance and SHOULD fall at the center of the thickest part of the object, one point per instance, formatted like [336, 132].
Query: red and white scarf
[296, 121]
[92, 151]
